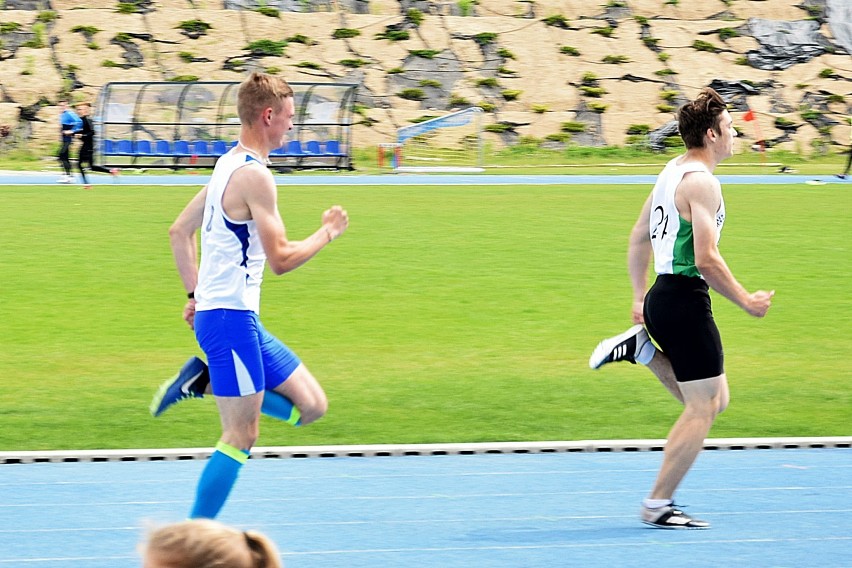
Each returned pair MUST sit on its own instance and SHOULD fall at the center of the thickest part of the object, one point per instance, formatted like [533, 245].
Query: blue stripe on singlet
[242, 233]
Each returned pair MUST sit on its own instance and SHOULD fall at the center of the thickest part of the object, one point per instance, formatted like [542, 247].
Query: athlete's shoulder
[249, 169]
[698, 174]
[699, 179]
[253, 180]
[702, 189]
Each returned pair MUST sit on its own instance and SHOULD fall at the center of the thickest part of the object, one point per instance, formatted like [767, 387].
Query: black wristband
[191, 295]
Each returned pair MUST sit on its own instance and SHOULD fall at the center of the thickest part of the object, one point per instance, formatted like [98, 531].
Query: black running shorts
[679, 318]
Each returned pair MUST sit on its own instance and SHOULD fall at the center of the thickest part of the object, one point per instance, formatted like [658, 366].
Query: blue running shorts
[242, 356]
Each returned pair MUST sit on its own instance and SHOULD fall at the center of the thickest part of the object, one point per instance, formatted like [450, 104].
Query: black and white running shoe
[670, 517]
[622, 347]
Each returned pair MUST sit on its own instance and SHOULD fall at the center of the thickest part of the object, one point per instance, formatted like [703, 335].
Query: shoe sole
[606, 346]
[674, 527]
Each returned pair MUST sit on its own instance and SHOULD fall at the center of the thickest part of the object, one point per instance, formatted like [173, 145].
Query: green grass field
[445, 314]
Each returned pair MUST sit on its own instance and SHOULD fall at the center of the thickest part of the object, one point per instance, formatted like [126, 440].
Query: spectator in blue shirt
[69, 124]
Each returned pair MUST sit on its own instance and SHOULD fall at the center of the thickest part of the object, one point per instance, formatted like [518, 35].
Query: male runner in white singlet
[250, 371]
[681, 223]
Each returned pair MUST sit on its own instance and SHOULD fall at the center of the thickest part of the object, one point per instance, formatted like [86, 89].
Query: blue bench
[164, 148]
[312, 148]
[123, 148]
[332, 148]
[179, 149]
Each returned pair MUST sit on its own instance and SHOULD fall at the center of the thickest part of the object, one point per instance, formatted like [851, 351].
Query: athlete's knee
[724, 400]
[702, 407]
[704, 411]
[242, 438]
[314, 409]
[723, 396]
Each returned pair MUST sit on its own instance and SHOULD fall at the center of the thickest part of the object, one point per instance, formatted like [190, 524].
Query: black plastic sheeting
[784, 44]
[734, 93]
[657, 138]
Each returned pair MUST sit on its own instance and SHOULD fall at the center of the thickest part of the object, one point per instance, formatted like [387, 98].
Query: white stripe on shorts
[244, 382]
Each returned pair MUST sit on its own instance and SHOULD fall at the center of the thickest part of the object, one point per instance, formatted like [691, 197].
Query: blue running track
[772, 507]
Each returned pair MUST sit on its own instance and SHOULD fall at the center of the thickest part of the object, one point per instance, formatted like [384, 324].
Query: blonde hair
[260, 91]
[208, 543]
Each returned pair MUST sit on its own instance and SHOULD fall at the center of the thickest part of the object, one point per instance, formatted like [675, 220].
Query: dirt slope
[524, 56]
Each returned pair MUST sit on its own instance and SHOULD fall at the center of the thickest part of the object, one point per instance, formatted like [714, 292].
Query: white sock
[646, 353]
[656, 503]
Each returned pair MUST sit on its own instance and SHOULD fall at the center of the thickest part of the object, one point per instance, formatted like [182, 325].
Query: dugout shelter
[190, 124]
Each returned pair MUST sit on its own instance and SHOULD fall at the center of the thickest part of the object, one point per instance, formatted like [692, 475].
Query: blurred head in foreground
[208, 543]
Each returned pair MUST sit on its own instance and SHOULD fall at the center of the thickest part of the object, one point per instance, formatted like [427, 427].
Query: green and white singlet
[671, 234]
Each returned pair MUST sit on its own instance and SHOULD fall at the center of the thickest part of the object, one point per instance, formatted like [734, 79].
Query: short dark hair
[695, 117]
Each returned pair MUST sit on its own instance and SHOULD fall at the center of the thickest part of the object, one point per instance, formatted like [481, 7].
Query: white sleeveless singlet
[232, 256]
[671, 235]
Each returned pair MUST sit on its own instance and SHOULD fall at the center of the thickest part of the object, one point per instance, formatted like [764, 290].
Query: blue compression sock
[280, 407]
[217, 480]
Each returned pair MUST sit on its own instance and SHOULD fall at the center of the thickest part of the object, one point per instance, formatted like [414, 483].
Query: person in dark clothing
[845, 173]
[87, 150]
